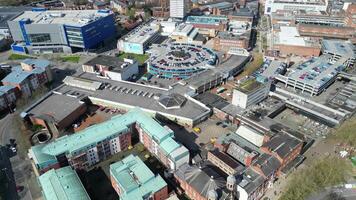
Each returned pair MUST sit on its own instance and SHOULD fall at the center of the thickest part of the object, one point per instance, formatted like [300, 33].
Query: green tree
[346, 132]
[322, 173]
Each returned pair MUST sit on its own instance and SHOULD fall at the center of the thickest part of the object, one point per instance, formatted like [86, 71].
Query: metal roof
[135, 179]
[70, 144]
[62, 184]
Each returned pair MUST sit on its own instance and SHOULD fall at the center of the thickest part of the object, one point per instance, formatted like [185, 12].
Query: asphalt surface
[5, 165]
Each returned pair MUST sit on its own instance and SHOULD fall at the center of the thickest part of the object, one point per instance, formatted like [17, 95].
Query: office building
[112, 67]
[96, 143]
[250, 92]
[178, 8]
[132, 179]
[139, 39]
[61, 31]
[60, 184]
[8, 13]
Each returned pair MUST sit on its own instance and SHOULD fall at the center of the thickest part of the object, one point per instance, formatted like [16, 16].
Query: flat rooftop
[315, 71]
[77, 18]
[141, 33]
[61, 184]
[56, 106]
[207, 19]
[9, 12]
[289, 35]
[339, 47]
[310, 2]
[135, 178]
[133, 95]
[249, 86]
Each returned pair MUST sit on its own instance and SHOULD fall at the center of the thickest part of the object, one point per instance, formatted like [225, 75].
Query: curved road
[6, 129]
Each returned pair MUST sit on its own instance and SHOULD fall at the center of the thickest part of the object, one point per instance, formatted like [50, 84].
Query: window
[40, 38]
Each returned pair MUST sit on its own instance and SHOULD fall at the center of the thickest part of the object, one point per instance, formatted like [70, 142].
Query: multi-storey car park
[55, 31]
[98, 142]
[316, 74]
[180, 60]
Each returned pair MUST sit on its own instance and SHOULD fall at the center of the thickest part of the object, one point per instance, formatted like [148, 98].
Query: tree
[322, 173]
[346, 132]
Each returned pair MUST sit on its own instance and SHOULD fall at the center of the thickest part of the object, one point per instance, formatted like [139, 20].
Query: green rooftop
[135, 179]
[82, 140]
[249, 86]
[62, 184]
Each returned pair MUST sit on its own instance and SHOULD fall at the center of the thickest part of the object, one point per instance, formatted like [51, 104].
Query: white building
[293, 5]
[138, 40]
[178, 8]
[250, 92]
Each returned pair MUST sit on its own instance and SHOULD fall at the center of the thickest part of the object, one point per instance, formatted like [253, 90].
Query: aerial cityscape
[177, 99]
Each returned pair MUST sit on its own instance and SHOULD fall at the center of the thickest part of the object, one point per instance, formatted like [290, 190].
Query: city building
[120, 6]
[224, 41]
[60, 184]
[287, 41]
[284, 147]
[180, 60]
[8, 96]
[330, 32]
[178, 8]
[112, 67]
[139, 39]
[225, 162]
[132, 179]
[185, 33]
[316, 74]
[208, 24]
[8, 13]
[249, 92]
[56, 112]
[30, 75]
[252, 186]
[272, 6]
[96, 143]
[221, 8]
[202, 182]
[61, 31]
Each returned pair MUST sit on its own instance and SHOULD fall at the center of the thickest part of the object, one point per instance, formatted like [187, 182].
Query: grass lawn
[73, 59]
[18, 57]
[140, 58]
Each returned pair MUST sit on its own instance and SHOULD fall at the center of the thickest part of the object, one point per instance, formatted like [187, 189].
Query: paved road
[6, 132]
[5, 165]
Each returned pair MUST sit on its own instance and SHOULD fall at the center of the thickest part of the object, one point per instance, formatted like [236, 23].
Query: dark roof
[171, 100]
[228, 160]
[240, 151]
[282, 144]
[104, 60]
[200, 37]
[10, 12]
[251, 180]
[212, 100]
[268, 164]
[203, 179]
